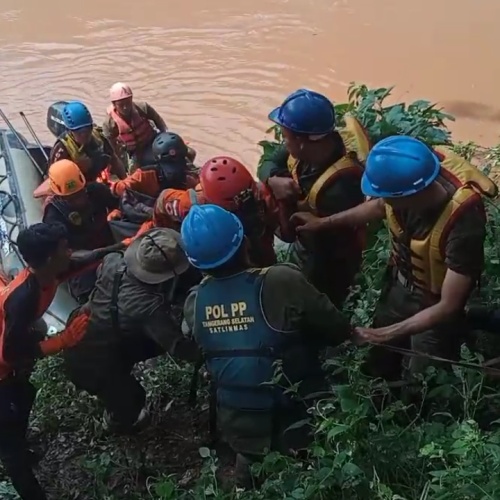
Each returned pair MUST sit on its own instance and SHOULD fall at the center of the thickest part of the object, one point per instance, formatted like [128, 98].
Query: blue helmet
[399, 166]
[305, 112]
[76, 116]
[211, 236]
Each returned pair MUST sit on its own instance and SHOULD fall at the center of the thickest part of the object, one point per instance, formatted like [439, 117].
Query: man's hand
[284, 188]
[374, 335]
[305, 222]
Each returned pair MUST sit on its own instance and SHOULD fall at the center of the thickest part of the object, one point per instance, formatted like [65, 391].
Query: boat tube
[19, 177]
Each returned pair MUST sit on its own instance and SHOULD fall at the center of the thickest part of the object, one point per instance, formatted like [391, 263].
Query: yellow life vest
[357, 146]
[427, 255]
[77, 152]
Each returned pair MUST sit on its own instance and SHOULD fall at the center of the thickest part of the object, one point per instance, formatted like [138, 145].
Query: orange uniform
[145, 182]
[142, 181]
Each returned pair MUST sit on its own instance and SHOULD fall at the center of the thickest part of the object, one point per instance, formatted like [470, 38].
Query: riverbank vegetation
[441, 441]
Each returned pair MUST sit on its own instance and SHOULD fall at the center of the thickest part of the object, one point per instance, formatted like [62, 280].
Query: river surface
[215, 68]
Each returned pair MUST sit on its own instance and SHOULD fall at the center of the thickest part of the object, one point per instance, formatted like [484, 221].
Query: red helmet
[222, 179]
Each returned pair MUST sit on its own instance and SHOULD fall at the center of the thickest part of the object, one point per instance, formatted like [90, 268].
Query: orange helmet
[222, 179]
[65, 178]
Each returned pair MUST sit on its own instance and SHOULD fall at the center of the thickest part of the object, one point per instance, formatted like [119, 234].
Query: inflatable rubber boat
[22, 169]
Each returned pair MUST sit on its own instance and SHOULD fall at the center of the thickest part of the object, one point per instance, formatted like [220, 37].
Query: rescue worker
[133, 126]
[226, 182]
[431, 201]
[169, 170]
[85, 144]
[245, 319]
[318, 170]
[83, 209]
[23, 302]
[139, 191]
[135, 314]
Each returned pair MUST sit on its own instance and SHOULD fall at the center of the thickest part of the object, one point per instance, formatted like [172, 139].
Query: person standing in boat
[133, 126]
[23, 302]
[84, 144]
[82, 207]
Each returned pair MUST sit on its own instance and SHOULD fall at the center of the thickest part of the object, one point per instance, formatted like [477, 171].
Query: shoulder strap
[117, 280]
[347, 162]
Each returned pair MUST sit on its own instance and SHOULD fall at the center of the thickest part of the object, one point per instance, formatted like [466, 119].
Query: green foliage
[442, 442]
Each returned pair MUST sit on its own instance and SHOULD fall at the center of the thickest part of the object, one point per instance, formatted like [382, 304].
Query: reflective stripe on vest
[357, 145]
[138, 133]
[239, 345]
[423, 261]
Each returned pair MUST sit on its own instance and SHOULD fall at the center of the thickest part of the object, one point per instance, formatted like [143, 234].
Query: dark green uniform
[330, 260]
[464, 254]
[243, 323]
[143, 325]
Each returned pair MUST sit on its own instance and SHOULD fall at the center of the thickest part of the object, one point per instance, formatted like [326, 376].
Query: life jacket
[239, 345]
[357, 146]
[99, 159]
[88, 231]
[136, 134]
[422, 261]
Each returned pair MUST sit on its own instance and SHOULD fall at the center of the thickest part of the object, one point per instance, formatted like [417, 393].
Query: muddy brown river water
[215, 68]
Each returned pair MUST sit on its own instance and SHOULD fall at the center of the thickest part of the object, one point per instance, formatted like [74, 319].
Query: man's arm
[85, 260]
[189, 310]
[154, 116]
[290, 302]
[275, 165]
[142, 181]
[161, 328]
[117, 167]
[360, 215]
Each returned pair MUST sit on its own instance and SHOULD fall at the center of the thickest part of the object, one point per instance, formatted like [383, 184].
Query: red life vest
[137, 134]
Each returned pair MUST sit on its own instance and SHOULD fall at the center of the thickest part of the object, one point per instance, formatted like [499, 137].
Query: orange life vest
[136, 134]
